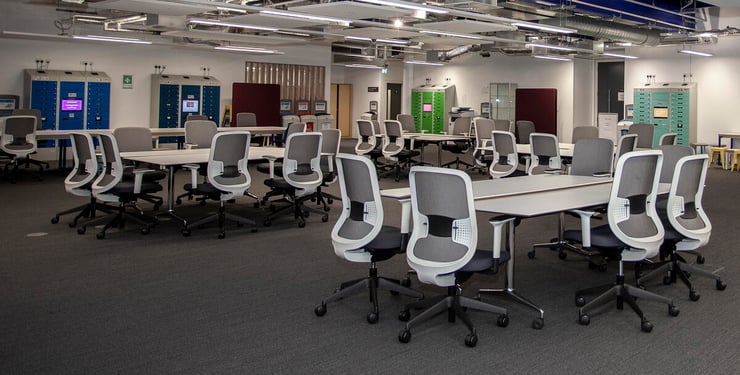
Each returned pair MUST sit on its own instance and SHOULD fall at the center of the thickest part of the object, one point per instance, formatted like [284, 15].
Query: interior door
[340, 105]
[610, 83]
[393, 97]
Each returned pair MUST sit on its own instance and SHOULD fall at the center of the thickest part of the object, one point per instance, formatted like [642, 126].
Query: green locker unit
[431, 105]
[174, 97]
[670, 107]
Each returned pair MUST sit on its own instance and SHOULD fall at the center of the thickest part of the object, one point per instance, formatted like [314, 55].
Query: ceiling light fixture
[407, 5]
[423, 63]
[530, 45]
[537, 26]
[619, 55]
[292, 33]
[111, 39]
[235, 10]
[378, 40]
[229, 24]
[547, 57]
[248, 49]
[466, 36]
[363, 66]
[305, 16]
[697, 53]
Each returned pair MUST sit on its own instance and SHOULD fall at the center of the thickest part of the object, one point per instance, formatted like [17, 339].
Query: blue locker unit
[191, 103]
[212, 102]
[97, 115]
[72, 101]
[41, 92]
[174, 97]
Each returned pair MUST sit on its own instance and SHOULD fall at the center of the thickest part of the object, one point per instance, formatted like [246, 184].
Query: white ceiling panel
[352, 11]
[153, 7]
[376, 32]
[465, 26]
[257, 19]
[444, 42]
[231, 37]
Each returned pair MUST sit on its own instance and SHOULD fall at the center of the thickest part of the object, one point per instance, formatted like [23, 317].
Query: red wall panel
[539, 106]
[261, 99]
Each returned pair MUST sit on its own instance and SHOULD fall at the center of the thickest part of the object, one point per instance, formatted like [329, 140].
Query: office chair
[686, 224]
[668, 139]
[523, 128]
[18, 142]
[482, 155]
[228, 178]
[273, 167]
[192, 117]
[330, 140]
[545, 154]
[79, 180]
[502, 125]
[301, 177]
[311, 122]
[443, 248]
[198, 134]
[591, 157]
[137, 138]
[461, 126]
[644, 134]
[246, 119]
[291, 128]
[627, 143]
[367, 141]
[407, 122]
[394, 149]
[584, 132]
[505, 158]
[634, 233]
[110, 186]
[40, 119]
[360, 236]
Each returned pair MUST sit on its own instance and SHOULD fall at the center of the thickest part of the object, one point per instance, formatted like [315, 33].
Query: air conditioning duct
[607, 30]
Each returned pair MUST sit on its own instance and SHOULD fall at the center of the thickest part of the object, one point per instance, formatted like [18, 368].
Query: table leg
[171, 197]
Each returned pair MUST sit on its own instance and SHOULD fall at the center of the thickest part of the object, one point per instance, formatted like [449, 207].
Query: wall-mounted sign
[372, 89]
[128, 81]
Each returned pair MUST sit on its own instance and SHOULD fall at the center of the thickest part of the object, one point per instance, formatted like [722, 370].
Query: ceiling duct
[607, 30]
[448, 55]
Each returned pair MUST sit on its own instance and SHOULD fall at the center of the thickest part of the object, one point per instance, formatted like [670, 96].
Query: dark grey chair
[394, 149]
[443, 248]
[522, 130]
[192, 117]
[360, 236]
[634, 233]
[461, 126]
[544, 155]
[407, 122]
[137, 138]
[330, 141]
[668, 139]
[627, 143]
[644, 134]
[246, 119]
[18, 142]
[583, 132]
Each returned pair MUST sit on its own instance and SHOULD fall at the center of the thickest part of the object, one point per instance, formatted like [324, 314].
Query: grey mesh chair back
[295, 127]
[668, 139]
[196, 117]
[330, 140]
[593, 156]
[199, 133]
[289, 119]
[671, 155]
[505, 157]
[376, 126]
[18, 136]
[407, 122]
[627, 143]
[227, 163]
[112, 169]
[522, 130]
[133, 138]
[246, 119]
[85, 168]
[584, 132]
[644, 134]
[502, 125]
[483, 128]
[461, 126]
[392, 138]
[631, 211]
[684, 210]
[362, 210]
[545, 153]
[366, 140]
[445, 232]
[301, 164]
[30, 112]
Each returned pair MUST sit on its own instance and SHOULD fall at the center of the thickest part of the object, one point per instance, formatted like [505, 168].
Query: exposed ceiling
[375, 31]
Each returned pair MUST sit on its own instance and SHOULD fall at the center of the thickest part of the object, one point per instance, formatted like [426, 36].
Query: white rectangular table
[172, 158]
[433, 138]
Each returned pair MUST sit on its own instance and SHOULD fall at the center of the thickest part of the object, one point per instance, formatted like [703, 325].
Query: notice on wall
[620, 96]
[128, 81]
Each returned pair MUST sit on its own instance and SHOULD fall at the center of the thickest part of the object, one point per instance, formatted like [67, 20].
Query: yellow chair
[718, 151]
[734, 156]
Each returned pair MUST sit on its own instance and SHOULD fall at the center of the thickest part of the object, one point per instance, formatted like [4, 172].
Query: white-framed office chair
[198, 134]
[668, 139]
[330, 142]
[133, 139]
[227, 179]
[687, 226]
[40, 120]
[505, 158]
[634, 233]
[394, 149]
[522, 130]
[111, 186]
[583, 132]
[443, 248]
[407, 122]
[367, 141]
[545, 154]
[301, 177]
[18, 142]
[79, 180]
[360, 236]
[482, 155]
[627, 143]
[461, 126]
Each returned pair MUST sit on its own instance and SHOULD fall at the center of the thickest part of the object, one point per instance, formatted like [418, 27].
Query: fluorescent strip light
[363, 66]
[292, 33]
[537, 26]
[423, 63]
[379, 40]
[619, 55]
[305, 16]
[362, 38]
[546, 57]
[243, 11]
[466, 36]
[530, 45]
[247, 49]
[407, 5]
[228, 24]
[690, 52]
[111, 39]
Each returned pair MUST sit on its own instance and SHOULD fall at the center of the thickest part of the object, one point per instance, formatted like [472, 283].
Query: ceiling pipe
[607, 30]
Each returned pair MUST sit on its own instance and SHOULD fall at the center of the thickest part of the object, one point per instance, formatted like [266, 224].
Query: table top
[160, 132]
[178, 157]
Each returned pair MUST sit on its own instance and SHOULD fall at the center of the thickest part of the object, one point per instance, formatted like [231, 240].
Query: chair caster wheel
[329, 200]
[530, 254]
[145, 230]
[666, 280]
[700, 259]
[646, 326]
[580, 301]
[673, 310]
[301, 224]
[404, 336]
[404, 315]
[584, 319]
[256, 205]
[538, 323]
[694, 296]
[503, 320]
[720, 285]
[267, 223]
[185, 232]
[372, 318]
[178, 201]
[562, 255]
[72, 224]
[324, 218]
[320, 310]
[471, 340]
[100, 235]
[55, 219]
[222, 235]
[81, 230]
[602, 267]
[406, 282]
[254, 230]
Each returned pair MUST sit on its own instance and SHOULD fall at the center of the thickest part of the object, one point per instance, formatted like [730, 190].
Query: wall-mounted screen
[71, 104]
[660, 112]
[426, 107]
[190, 106]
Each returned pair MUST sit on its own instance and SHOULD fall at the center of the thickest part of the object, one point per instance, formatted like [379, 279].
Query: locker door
[71, 105]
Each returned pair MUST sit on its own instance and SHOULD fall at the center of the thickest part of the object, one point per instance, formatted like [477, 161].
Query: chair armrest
[585, 225]
[271, 159]
[139, 178]
[498, 223]
[193, 173]
[602, 174]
